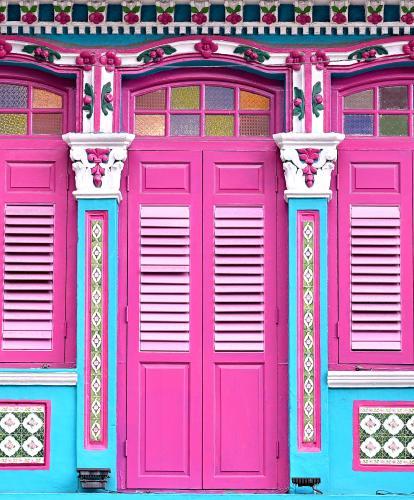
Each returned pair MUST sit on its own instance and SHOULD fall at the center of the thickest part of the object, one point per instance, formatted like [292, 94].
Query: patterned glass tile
[151, 100]
[13, 96]
[254, 125]
[393, 97]
[185, 125]
[185, 97]
[360, 100]
[47, 123]
[13, 124]
[220, 125]
[218, 98]
[393, 125]
[153, 125]
[359, 124]
[249, 100]
[43, 99]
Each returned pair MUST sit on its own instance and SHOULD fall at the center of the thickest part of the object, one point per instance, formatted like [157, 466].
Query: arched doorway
[206, 284]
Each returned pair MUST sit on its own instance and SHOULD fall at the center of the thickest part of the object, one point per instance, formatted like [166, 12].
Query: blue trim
[98, 458]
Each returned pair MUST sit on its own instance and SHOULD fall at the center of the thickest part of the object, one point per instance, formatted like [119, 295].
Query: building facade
[207, 246]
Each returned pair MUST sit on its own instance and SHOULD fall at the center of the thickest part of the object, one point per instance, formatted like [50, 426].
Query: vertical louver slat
[375, 271]
[28, 277]
[164, 278]
[239, 279]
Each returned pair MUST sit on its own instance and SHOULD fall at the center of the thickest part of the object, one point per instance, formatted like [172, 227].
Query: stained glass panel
[153, 125]
[219, 98]
[219, 125]
[359, 124]
[393, 125]
[43, 99]
[185, 97]
[151, 100]
[47, 123]
[393, 97]
[360, 100]
[13, 124]
[254, 125]
[185, 125]
[249, 100]
[13, 96]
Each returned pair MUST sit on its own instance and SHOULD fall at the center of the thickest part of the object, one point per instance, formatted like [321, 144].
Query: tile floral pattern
[386, 435]
[22, 434]
[308, 294]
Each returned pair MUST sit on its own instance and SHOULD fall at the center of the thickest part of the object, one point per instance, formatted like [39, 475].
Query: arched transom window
[204, 110]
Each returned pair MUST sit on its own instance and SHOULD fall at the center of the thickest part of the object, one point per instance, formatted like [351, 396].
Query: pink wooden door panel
[164, 329]
[239, 321]
[374, 259]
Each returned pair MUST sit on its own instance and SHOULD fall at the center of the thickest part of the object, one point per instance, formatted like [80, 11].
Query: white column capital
[308, 161]
[98, 160]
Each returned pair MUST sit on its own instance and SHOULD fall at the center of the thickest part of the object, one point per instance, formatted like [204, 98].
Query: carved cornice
[98, 160]
[308, 161]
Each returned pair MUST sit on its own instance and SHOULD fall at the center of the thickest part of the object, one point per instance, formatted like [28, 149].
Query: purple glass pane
[359, 124]
[13, 96]
[185, 125]
[219, 98]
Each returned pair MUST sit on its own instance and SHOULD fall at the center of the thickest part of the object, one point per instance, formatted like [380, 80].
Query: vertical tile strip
[96, 370]
[308, 332]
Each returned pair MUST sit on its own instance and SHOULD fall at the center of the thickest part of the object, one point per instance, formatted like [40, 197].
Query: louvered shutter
[375, 257]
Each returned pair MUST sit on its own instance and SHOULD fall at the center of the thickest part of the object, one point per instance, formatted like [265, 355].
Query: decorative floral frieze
[295, 60]
[5, 48]
[339, 11]
[110, 60]
[206, 47]
[234, 11]
[367, 54]
[156, 54]
[308, 161]
[320, 59]
[407, 12]
[98, 174]
[86, 59]
[63, 12]
[374, 11]
[131, 11]
[299, 103]
[251, 54]
[96, 12]
[3, 13]
[165, 11]
[269, 11]
[42, 53]
[23, 434]
[303, 12]
[317, 99]
[29, 11]
[408, 49]
[199, 12]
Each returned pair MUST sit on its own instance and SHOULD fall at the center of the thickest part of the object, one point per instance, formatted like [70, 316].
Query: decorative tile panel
[383, 434]
[96, 369]
[23, 434]
[308, 332]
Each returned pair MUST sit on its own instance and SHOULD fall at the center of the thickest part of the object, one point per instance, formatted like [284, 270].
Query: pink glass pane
[47, 123]
[151, 100]
[153, 125]
[185, 125]
[13, 96]
[254, 125]
[219, 98]
[393, 97]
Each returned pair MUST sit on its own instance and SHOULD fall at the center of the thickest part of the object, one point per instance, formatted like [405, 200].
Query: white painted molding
[310, 179]
[38, 378]
[112, 151]
[370, 378]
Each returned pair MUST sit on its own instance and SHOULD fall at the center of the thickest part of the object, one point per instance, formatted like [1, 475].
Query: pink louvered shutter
[37, 303]
[375, 257]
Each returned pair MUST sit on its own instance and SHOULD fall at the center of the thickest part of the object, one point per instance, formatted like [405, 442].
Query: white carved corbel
[308, 161]
[98, 160]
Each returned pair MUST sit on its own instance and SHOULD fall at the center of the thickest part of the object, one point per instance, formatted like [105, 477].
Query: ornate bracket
[308, 161]
[98, 160]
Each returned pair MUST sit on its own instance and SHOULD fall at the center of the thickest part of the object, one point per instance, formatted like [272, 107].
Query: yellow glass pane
[150, 125]
[13, 124]
[248, 100]
[151, 100]
[220, 125]
[43, 99]
[185, 97]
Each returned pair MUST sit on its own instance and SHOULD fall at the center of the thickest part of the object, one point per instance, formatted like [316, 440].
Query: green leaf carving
[106, 106]
[89, 107]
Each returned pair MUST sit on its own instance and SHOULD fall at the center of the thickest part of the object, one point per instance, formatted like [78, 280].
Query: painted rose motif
[303, 16]
[374, 14]
[86, 59]
[29, 14]
[295, 60]
[233, 14]
[42, 53]
[98, 156]
[309, 156]
[367, 54]
[165, 16]
[206, 47]
[199, 16]
[2, 13]
[62, 14]
[320, 59]
[408, 16]
[110, 60]
[5, 48]
[131, 15]
[156, 54]
[96, 14]
[339, 16]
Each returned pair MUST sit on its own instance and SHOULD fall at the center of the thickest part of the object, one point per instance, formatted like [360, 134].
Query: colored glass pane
[151, 100]
[13, 96]
[185, 97]
[393, 97]
[393, 125]
[360, 100]
[47, 123]
[153, 125]
[219, 125]
[359, 124]
[249, 100]
[185, 125]
[254, 125]
[13, 124]
[43, 99]
[219, 98]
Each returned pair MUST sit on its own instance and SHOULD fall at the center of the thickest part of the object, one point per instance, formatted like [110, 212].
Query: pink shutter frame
[375, 257]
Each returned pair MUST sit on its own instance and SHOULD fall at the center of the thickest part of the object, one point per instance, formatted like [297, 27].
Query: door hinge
[337, 330]
[127, 183]
[126, 314]
[277, 449]
[126, 448]
[277, 315]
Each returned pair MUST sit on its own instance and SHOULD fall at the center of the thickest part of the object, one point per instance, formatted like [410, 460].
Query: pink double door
[202, 408]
